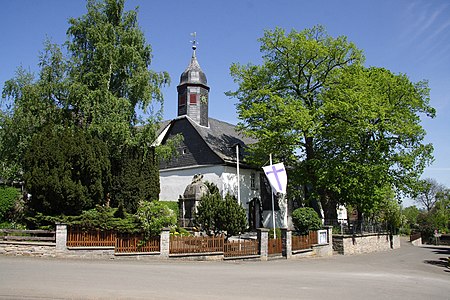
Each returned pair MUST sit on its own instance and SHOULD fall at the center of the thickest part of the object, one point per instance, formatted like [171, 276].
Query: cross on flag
[277, 177]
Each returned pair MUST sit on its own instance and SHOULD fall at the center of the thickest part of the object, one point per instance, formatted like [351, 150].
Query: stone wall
[28, 249]
[357, 244]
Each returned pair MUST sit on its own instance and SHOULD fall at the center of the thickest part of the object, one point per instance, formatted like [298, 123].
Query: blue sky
[404, 36]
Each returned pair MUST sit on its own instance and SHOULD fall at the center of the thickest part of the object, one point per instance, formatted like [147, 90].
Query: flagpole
[273, 205]
[237, 167]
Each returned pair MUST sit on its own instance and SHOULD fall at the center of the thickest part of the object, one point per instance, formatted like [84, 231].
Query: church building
[210, 147]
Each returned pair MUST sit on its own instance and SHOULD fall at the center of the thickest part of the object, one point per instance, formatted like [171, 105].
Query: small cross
[194, 41]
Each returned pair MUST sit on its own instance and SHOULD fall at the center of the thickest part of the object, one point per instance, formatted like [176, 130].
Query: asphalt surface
[406, 273]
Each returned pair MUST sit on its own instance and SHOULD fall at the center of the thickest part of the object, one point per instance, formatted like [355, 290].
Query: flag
[277, 177]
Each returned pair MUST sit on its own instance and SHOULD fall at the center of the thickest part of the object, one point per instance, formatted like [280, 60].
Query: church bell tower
[193, 91]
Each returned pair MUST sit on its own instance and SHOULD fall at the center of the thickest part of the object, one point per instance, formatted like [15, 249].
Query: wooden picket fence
[196, 244]
[241, 248]
[122, 243]
[300, 242]
[128, 243]
[77, 237]
[275, 246]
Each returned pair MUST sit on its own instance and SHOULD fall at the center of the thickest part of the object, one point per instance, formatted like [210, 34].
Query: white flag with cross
[277, 177]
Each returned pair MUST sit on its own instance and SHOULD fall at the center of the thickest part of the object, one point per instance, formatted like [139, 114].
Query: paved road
[407, 273]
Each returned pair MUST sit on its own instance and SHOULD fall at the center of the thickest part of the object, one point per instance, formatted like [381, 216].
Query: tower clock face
[203, 99]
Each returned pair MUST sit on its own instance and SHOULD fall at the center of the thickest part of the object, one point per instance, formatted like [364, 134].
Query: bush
[104, 218]
[8, 197]
[207, 212]
[306, 219]
[154, 216]
[173, 205]
[217, 216]
[232, 219]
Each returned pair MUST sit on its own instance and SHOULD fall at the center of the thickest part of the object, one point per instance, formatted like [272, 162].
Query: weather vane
[194, 40]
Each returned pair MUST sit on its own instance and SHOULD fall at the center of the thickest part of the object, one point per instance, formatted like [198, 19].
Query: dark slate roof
[193, 73]
[221, 137]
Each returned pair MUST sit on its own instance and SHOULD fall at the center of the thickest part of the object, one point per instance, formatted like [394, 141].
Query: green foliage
[179, 231]
[136, 178]
[346, 130]
[100, 217]
[153, 216]
[390, 214]
[104, 218]
[98, 85]
[212, 188]
[411, 215]
[66, 171]
[306, 219]
[207, 213]
[220, 216]
[272, 233]
[173, 205]
[8, 198]
[428, 193]
[231, 217]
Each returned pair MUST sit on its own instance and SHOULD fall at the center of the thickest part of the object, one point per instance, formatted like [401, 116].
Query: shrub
[153, 216]
[306, 219]
[232, 218]
[8, 197]
[217, 216]
[207, 212]
[105, 218]
[173, 205]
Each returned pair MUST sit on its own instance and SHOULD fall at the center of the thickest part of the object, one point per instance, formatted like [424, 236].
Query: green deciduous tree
[97, 83]
[280, 101]
[372, 139]
[411, 215]
[429, 192]
[348, 132]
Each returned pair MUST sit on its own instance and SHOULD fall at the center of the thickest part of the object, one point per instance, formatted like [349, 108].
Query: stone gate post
[61, 237]
[164, 243]
[286, 240]
[263, 237]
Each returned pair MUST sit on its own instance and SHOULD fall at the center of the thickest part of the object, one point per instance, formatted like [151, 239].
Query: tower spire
[193, 90]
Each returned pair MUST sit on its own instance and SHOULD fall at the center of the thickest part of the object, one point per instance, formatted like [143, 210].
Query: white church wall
[173, 182]
[248, 191]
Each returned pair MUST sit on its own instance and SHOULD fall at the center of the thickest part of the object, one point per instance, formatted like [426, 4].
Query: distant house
[210, 148]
